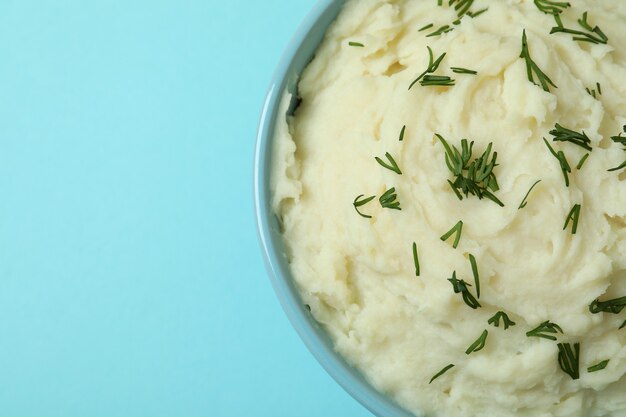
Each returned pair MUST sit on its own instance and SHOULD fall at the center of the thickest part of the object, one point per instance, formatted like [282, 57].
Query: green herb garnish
[614, 306]
[437, 81]
[462, 6]
[593, 34]
[416, 260]
[544, 329]
[524, 202]
[458, 230]
[476, 178]
[392, 165]
[622, 326]
[551, 7]
[401, 138]
[357, 44]
[560, 156]
[475, 274]
[495, 320]
[531, 67]
[388, 200]
[443, 29]
[582, 161]
[478, 13]
[428, 26]
[433, 64]
[443, 371]
[460, 287]
[358, 203]
[600, 366]
[479, 344]
[459, 70]
[573, 216]
[562, 134]
[621, 140]
[568, 359]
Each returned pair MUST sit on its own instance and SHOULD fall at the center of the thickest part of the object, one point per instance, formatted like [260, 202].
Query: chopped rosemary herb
[551, 7]
[443, 371]
[568, 359]
[592, 93]
[582, 161]
[462, 7]
[600, 366]
[460, 287]
[479, 344]
[402, 132]
[622, 326]
[358, 203]
[599, 87]
[476, 14]
[458, 230]
[614, 306]
[476, 178]
[433, 64]
[428, 26]
[560, 156]
[443, 29]
[524, 202]
[531, 67]
[621, 140]
[562, 134]
[475, 274]
[495, 320]
[439, 2]
[543, 329]
[392, 165]
[459, 70]
[388, 200]
[593, 34]
[357, 44]
[436, 80]
[573, 216]
[416, 260]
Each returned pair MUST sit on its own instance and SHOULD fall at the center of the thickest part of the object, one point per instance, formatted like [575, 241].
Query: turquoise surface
[131, 279]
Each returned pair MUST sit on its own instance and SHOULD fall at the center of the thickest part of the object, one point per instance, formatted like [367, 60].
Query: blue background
[131, 280]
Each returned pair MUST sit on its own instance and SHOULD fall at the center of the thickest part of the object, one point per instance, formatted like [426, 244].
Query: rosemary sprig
[476, 178]
[495, 320]
[402, 132]
[433, 64]
[460, 70]
[475, 274]
[416, 260]
[560, 156]
[437, 80]
[582, 161]
[479, 344]
[598, 367]
[562, 134]
[568, 359]
[428, 26]
[478, 13]
[621, 140]
[614, 306]
[551, 7]
[392, 165]
[357, 44]
[443, 371]
[443, 29]
[524, 202]
[389, 200]
[573, 216]
[462, 7]
[593, 34]
[599, 87]
[460, 287]
[531, 67]
[545, 330]
[358, 203]
[456, 230]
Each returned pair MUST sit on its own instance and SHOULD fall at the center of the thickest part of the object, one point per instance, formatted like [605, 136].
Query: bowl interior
[299, 53]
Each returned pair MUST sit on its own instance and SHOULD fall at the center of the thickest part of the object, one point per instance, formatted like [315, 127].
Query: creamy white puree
[357, 274]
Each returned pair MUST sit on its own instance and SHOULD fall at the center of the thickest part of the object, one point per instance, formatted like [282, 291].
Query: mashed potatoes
[354, 263]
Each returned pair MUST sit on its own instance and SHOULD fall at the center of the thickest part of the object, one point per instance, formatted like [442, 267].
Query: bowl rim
[311, 333]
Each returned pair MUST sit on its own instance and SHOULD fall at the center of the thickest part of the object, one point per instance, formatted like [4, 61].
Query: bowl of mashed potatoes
[441, 197]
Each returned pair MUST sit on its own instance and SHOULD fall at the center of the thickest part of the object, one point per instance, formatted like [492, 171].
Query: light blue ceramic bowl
[299, 53]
